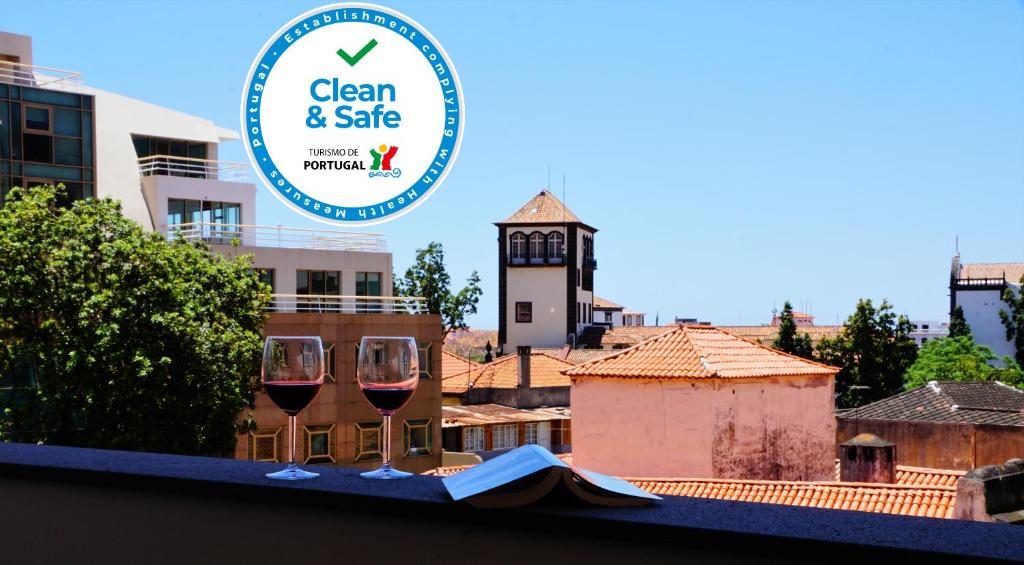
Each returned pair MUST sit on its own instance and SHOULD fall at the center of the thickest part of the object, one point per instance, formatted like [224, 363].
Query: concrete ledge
[67, 503]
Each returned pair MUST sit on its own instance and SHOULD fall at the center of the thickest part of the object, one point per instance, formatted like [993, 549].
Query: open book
[529, 473]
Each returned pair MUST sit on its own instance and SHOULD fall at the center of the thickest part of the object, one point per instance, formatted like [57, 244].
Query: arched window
[536, 247]
[554, 247]
[517, 248]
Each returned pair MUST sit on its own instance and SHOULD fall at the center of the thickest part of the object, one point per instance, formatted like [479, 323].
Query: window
[426, 358]
[504, 436]
[37, 118]
[536, 248]
[217, 222]
[368, 284]
[318, 284]
[531, 433]
[318, 444]
[579, 313]
[524, 312]
[608, 317]
[159, 155]
[266, 277]
[329, 360]
[517, 248]
[37, 148]
[924, 326]
[368, 441]
[473, 439]
[554, 247]
[264, 444]
[419, 437]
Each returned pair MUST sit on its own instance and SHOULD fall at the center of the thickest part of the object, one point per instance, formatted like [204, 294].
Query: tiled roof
[925, 500]
[922, 477]
[931, 502]
[949, 401]
[452, 364]
[1012, 272]
[575, 356]
[503, 372]
[602, 304]
[544, 208]
[765, 335]
[699, 352]
[481, 414]
[632, 335]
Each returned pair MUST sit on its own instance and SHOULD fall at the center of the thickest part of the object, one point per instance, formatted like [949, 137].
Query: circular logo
[352, 114]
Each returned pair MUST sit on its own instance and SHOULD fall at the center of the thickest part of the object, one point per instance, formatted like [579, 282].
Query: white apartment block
[978, 289]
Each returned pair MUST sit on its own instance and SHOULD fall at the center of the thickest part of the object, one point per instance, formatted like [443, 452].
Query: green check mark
[353, 59]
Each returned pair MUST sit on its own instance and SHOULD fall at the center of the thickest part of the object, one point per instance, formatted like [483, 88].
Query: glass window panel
[37, 118]
[175, 211]
[178, 148]
[67, 151]
[418, 438]
[233, 213]
[87, 190]
[197, 150]
[373, 284]
[193, 211]
[141, 146]
[301, 282]
[332, 283]
[67, 122]
[55, 97]
[87, 139]
[16, 139]
[38, 148]
[53, 172]
[87, 102]
[317, 284]
[162, 147]
[5, 131]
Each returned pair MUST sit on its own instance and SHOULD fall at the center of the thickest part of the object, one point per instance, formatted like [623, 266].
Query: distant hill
[470, 343]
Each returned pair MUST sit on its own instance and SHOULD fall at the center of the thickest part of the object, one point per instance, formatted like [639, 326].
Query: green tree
[873, 352]
[429, 278]
[1013, 320]
[789, 340]
[958, 324]
[960, 359]
[127, 341]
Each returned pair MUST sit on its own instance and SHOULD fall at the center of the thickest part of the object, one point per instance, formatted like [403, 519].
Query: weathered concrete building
[700, 402]
[526, 380]
[945, 424]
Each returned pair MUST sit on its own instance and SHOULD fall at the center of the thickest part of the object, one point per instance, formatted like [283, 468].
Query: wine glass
[388, 372]
[293, 372]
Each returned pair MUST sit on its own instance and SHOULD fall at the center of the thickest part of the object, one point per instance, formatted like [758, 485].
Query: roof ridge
[773, 350]
[460, 357]
[704, 363]
[621, 352]
[912, 469]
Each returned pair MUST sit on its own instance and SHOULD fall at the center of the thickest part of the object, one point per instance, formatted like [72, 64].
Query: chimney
[523, 352]
[867, 458]
[993, 493]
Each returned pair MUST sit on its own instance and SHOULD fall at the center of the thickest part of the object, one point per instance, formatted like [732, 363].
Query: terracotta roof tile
[452, 364]
[933, 501]
[544, 208]
[922, 476]
[601, 303]
[1010, 272]
[699, 352]
[503, 372]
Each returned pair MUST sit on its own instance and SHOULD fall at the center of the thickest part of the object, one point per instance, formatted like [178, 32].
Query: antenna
[957, 243]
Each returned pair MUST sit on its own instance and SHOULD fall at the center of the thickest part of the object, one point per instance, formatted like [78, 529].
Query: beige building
[700, 402]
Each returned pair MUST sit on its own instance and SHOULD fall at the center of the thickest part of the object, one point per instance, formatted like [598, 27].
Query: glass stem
[386, 441]
[291, 444]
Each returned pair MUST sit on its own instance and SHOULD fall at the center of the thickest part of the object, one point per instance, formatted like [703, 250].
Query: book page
[609, 486]
[502, 470]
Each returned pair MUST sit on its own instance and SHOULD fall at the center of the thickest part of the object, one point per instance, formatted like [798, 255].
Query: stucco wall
[533, 397]
[780, 428]
[940, 445]
[981, 311]
[545, 288]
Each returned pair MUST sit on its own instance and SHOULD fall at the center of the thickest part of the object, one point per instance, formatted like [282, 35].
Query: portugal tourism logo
[334, 95]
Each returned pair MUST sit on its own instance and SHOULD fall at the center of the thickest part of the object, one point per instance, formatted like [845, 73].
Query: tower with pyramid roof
[545, 275]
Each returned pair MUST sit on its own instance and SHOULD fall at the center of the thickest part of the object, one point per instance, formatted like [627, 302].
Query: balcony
[40, 77]
[69, 505]
[347, 304]
[188, 167]
[277, 236]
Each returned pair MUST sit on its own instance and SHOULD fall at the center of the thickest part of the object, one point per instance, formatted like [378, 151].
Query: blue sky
[733, 154]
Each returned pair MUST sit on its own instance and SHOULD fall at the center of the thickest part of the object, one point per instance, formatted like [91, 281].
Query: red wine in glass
[388, 400]
[388, 372]
[291, 396]
[293, 372]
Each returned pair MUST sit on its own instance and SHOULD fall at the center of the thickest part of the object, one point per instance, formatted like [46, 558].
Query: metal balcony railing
[347, 304]
[170, 165]
[41, 77]
[280, 237]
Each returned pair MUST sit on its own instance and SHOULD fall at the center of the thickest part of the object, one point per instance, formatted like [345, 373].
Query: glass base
[292, 473]
[386, 473]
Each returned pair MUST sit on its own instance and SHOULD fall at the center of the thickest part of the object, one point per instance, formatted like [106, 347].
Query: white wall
[981, 310]
[157, 189]
[286, 261]
[545, 288]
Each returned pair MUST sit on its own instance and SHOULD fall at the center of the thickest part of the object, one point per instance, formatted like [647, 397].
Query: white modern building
[926, 330]
[545, 276]
[612, 315]
[978, 289]
[163, 166]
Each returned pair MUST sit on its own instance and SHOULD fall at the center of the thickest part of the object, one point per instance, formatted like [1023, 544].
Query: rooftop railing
[42, 77]
[170, 165]
[277, 236]
[325, 304]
